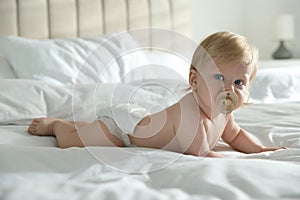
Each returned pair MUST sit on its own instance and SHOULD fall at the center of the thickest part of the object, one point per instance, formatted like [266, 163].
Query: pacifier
[226, 102]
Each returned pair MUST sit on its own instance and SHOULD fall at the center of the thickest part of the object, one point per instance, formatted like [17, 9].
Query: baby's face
[213, 79]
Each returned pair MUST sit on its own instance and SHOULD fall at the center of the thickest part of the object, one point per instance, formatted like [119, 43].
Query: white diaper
[122, 119]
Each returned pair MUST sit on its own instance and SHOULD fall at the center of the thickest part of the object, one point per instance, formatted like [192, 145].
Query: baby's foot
[42, 126]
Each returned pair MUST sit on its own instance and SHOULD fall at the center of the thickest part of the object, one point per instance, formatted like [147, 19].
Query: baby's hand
[271, 148]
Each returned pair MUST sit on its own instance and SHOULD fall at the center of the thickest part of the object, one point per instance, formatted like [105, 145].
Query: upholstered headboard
[81, 18]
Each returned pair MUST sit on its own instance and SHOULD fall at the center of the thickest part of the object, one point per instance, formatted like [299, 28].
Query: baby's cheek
[242, 96]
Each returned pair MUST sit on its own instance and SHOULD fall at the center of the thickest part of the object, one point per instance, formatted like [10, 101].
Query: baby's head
[224, 61]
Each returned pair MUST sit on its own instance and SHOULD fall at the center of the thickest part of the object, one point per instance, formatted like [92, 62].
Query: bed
[53, 60]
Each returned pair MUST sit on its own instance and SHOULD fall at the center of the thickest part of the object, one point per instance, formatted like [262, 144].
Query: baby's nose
[229, 87]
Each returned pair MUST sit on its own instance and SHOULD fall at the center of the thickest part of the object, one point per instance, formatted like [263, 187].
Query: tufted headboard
[44, 19]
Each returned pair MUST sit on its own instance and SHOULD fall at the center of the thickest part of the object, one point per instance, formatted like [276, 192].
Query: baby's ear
[193, 79]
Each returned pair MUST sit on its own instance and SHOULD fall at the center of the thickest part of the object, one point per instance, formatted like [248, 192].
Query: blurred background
[255, 19]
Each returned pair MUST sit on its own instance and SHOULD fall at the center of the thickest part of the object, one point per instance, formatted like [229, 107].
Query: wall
[251, 18]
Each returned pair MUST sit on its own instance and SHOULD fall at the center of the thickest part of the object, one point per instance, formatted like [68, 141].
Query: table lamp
[285, 29]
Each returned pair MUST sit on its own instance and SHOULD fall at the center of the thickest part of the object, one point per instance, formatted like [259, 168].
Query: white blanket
[24, 99]
[32, 167]
[51, 173]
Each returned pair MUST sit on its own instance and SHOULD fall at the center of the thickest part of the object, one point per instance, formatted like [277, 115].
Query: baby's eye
[219, 77]
[239, 82]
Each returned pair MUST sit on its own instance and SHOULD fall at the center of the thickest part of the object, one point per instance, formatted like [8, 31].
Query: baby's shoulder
[173, 110]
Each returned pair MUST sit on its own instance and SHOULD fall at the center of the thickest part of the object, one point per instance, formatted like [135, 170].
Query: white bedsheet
[52, 173]
[32, 166]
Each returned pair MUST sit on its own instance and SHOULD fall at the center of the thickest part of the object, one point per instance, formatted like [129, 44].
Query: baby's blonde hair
[227, 47]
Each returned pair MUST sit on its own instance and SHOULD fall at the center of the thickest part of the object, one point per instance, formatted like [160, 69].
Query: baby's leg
[91, 134]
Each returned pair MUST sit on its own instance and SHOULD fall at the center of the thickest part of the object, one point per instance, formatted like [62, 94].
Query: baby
[222, 67]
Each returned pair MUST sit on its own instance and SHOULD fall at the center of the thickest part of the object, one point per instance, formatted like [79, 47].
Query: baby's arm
[244, 143]
[240, 140]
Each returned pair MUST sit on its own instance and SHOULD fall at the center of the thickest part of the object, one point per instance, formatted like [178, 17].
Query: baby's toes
[32, 129]
[33, 126]
[36, 121]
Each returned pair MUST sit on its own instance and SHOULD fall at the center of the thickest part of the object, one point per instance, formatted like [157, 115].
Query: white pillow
[280, 84]
[169, 65]
[6, 70]
[68, 61]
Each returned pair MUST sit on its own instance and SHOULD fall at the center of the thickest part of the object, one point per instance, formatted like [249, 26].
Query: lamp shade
[285, 27]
